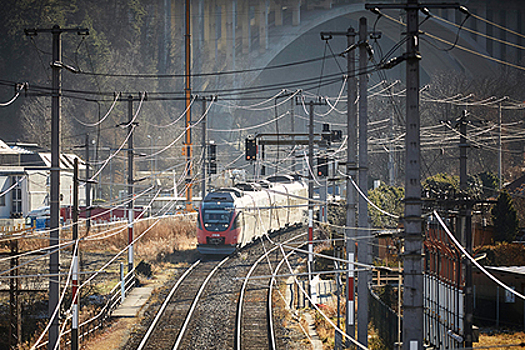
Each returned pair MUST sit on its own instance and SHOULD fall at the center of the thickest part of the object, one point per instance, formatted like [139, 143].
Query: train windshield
[216, 220]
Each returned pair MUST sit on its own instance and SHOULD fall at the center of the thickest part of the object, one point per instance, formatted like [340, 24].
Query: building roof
[519, 270]
[5, 149]
[517, 186]
[66, 161]
[31, 157]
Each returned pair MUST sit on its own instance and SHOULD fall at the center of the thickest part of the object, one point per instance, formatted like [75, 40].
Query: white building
[25, 180]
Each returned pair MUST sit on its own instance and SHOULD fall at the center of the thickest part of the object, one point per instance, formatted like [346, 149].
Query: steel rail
[243, 290]
[164, 304]
[195, 301]
[273, 345]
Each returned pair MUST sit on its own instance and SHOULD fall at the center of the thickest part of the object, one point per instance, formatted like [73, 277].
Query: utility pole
[413, 237]
[313, 292]
[500, 156]
[391, 164]
[351, 168]
[130, 125]
[292, 130]
[322, 160]
[54, 202]
[131, 194]
[466, 215]
[88, 187]
[75, 262]
[187, 90]
[310, 198]
[413, 261]
[203, 147]
[363, 251]
[15, 308]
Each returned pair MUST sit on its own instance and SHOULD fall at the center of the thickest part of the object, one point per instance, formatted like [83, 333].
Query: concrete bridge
[236, 35]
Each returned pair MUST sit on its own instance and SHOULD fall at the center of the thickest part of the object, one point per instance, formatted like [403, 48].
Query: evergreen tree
[504, 218]
[390, 199]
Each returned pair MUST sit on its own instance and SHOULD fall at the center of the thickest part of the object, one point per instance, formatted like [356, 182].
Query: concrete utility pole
[313, 293]
[292, 130]
[323, 192]
[131, 194]
[130, 125]
[187, 90]
[311, 195]
[413, 237]
[351, 167]
[15, 307]
[391, 163]
[75, 261]
[363, 251]
[54, 202]
[466, 215]
[500, 155]
[413, 262]
[88, 187]
[203, 147]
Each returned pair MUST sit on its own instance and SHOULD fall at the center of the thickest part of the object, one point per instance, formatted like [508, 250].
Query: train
[232, 217]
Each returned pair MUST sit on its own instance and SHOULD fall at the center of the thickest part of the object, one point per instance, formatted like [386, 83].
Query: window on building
[17, 195]
[4, 185]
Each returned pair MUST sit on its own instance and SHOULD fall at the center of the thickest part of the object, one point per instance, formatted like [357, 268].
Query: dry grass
[170, 241]
[326, 332]
[324, 329]
[285, 319]
[113, 337]
[165, 237]
[515, 339]
[168, 236]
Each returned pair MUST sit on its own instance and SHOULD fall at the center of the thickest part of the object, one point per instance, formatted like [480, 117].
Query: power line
[157, 76]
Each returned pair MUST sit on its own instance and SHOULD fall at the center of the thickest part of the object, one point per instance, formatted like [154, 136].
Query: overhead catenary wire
[13, 99]
[117, 97]
[474, 261]
[57, 308]
[461, 47]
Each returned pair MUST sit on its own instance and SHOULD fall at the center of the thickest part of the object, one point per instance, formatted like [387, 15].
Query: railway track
[254, 325]
[168, 327]
[210, 307]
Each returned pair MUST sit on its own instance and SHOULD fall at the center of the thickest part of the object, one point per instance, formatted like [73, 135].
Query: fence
[113, 299]
[385, 320]
[326, 291]
[443, 296]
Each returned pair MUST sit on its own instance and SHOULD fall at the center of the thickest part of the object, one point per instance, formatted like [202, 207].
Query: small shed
[495, 306]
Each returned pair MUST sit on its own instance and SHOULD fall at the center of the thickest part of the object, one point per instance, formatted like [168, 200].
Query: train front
[217, 232]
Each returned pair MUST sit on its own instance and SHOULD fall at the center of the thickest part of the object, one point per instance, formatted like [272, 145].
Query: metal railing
[113, 300]
[385, 320]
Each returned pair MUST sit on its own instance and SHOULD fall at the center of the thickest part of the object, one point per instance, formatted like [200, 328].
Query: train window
[216, 220]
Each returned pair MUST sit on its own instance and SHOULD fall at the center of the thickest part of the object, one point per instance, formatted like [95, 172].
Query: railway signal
[250, 149]
[331, 135]
[213, 152]
[212, 158]
[322, 166]
[213, 168]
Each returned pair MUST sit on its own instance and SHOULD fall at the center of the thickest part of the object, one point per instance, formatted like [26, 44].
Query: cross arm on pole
[407, 6]
[55, 29]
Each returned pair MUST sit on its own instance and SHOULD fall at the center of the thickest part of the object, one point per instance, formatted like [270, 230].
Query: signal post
[413, 237]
